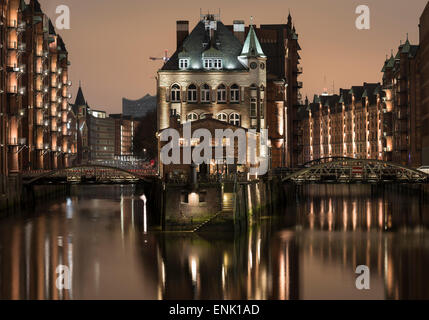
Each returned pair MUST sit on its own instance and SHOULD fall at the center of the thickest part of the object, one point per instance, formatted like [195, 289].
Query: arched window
[222, 117]
[192, 93]
[234, 119]
[235, 93]
[221, 94]
[205, 93]
[192, 117]
[204, 116]
[175, 93]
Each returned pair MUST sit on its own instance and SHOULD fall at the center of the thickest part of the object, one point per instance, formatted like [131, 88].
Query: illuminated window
[192, 93]
[192, 117]
[221, 94]
[217, 63]
[208, 63]
[235, 93]
[253, 107]
[234, 119]
[183, 64]
[175, 93]
[222, 117]
[213, 64]
[205, 93]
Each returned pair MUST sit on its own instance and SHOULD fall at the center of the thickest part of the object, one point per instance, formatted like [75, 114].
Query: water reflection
[104, 236]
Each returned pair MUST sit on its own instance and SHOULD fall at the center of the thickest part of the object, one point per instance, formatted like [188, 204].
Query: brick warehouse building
[38, 125]
[345, 125]
[280, 44]
[213, 72]
[423, 57]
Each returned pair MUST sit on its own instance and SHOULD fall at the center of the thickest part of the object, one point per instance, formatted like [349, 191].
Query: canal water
[102, 241]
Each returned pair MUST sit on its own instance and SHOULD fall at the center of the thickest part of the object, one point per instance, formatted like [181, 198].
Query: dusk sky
[110, 41]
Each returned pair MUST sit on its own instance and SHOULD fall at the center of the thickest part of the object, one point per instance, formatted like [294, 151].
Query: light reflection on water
[99, 234]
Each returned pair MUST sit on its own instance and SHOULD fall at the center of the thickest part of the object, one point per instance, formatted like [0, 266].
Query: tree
[145, 141]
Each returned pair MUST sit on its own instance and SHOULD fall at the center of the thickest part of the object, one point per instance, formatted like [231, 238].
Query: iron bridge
[90, 174]
[350, 170]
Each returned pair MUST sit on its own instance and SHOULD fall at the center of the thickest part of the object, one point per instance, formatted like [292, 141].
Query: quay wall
[14, 195]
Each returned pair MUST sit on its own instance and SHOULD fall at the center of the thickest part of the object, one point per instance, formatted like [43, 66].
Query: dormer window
[217, 63]
[213, 64]
[208, 63]
[183, 64]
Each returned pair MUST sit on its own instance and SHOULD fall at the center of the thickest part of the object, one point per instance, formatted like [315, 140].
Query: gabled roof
[252, 47]
[357, 91]
[199, 44]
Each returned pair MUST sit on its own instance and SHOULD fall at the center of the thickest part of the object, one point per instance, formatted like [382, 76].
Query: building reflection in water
[103, 235]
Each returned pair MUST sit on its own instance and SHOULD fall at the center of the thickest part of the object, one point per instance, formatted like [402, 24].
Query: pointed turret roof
[407, 47]
[391, 63]
[80, 99]
[252, 47]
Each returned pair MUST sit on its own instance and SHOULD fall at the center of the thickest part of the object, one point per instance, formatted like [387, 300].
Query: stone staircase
[228, 202]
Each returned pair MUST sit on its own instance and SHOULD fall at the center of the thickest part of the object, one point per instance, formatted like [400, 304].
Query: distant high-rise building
[138, 108]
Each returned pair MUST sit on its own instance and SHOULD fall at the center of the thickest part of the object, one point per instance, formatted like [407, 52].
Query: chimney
[182, 32]
[239, 30]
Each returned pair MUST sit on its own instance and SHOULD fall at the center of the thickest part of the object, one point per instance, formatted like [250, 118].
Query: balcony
[18, 141]
[12, 24]
[12, 45]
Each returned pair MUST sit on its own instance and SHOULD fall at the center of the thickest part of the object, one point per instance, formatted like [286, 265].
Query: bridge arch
[80, 170]
[342, 169]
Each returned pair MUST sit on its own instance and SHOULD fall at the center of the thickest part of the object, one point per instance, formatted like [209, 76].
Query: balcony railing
[18, 141]
[12, 45]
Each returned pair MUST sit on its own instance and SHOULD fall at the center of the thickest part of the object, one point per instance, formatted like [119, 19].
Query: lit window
[235, 93]
[221, 93]
[205, 93]
[175, 93]
[208, 63]
[253, 108]
[183, 64]
[222, 117]
[234, 119]
[192, 117]
[192, 93]
[217, 63]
